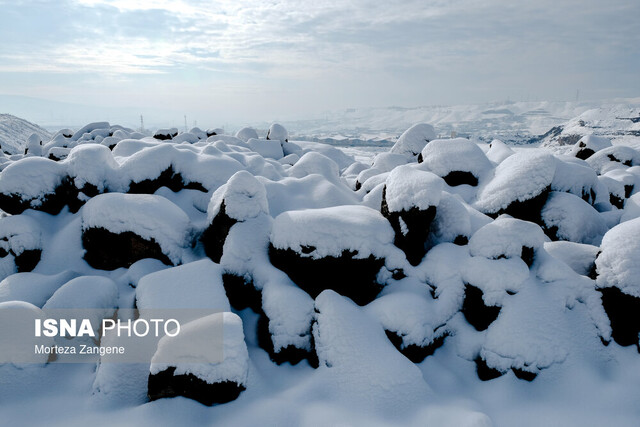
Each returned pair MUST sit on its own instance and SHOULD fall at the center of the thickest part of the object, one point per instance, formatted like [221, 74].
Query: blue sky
[262, 59]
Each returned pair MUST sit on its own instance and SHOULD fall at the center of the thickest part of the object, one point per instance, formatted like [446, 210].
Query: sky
[264, 59]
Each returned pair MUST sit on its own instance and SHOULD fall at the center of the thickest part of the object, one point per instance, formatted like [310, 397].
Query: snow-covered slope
[15, 131]
[619, 123]
[515, 122]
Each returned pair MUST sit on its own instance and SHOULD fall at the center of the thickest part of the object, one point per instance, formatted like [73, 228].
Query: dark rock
[526, 210]
[214, 236]
[414, 352]
[107, 251]
[524, 375]
[527, 255]
[167, 178]
[479, 315]
[485, 373]
[420, 158]
[615, 159]
[623, 312]
[628, 189]
[585, 153]
[166, 384]
[351, 277]
[288, 354]
[616, 201]
[417, 228]
[456, 178]
[461, 240]
[52, 203]
[28, 260]
[242, 293]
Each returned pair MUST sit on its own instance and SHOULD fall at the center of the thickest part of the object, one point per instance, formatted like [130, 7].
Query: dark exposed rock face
[107, 251]
[524, 375]
[526, 210]
[167, 178]
[290, 353]
[65, 194]
[616, 201]
[585, 153]
[214, 236]
[412, 236]
[624, 313]
[615, 159]
[166, 384]
[628, 189]
[485, 373]
[479, 315]
[165, 136]
[414, 352]
[528, 255]
[28, 260]
[456, 178]
[351, 277]
[242, 293]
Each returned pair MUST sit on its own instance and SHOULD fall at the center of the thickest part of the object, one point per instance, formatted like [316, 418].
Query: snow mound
[16, 347]
[33, 288]
[408, 187]
[349, 342]
[617, 265]
[243, 195]
[413, 140]
[519, 178]
[618, 156]
[589, 145]
[444, 156]
[505, 237]
[580, 257]
[277, 132]
[498, 151]
[266, 148]
[246, 133]
[148, 216]
[568, 217]
[192, 353]
[31, 179]
[20, 244]
[194, 285]
[319, 233]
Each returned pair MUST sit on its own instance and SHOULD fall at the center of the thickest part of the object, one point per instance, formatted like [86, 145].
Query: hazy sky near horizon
[261, 58]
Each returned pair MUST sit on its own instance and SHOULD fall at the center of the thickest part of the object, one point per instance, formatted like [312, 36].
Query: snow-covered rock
[588, 145]
[520, 185]
[207, 361]
[409, 201]
[568, 217]
[17, 341]
[120, 229]
[246, 134]
[20, 244]
[340, 248]
[277, 132]
[194, 285]
[458, 161]
[413, 140]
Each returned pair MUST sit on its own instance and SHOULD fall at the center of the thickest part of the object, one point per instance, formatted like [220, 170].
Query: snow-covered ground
[438, 282]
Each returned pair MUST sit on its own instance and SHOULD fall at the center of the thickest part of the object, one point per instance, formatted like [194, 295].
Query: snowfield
[437, 282]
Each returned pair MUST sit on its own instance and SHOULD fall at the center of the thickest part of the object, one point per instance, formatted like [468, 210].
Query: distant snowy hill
[512, 122]
[619, 123]
[14, 132]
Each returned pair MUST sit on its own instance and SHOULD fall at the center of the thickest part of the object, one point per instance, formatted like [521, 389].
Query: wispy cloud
[421, 51]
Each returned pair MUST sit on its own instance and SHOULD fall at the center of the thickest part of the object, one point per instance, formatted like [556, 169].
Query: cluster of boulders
[438, 239]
